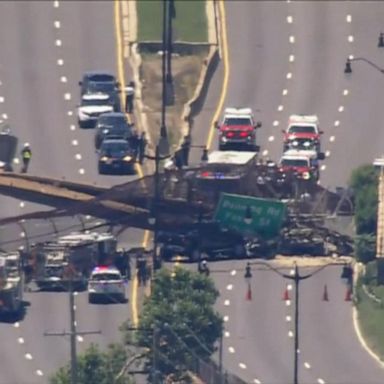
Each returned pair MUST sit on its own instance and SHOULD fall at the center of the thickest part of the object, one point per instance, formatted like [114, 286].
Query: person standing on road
[142, 147]
[203, 267]
[129, 97]
[26, 155]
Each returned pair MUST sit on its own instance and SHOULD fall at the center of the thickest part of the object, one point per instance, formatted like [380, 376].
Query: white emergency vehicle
[91, 107]
[107, 284]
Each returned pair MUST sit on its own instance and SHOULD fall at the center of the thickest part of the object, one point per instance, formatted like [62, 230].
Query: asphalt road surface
[46, 46]
[286, 58]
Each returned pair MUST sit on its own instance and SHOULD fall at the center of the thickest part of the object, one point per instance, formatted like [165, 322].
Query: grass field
[190, 24]
[371, 313]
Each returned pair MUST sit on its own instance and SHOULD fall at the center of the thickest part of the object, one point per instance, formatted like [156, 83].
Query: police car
[106, 283]
[91, 107]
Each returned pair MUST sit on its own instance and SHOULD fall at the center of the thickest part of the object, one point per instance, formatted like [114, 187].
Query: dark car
[8, 146]
[208, 241]
[116, 156]
[101, 82]
[112, 124]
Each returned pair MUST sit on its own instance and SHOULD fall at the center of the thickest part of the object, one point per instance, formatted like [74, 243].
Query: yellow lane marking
[121, 76]
[224, 40]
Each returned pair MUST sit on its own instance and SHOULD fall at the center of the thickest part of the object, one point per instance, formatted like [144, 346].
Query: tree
[96, 366]
[178, 323]
[365, 247]
[364, 182]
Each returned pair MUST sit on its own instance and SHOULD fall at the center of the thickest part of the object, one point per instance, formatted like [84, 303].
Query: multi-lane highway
[46, 48]
[286, 58]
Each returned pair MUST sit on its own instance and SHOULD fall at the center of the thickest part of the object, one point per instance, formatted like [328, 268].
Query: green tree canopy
[365, 247]
[364, 181]
[96, 366]
[178, 320]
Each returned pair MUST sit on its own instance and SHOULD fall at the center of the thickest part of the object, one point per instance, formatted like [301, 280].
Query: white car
[106, 283]
[92, 106]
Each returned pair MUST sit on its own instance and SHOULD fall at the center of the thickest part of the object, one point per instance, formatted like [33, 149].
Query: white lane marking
[345, 92]
[56, 4]
[287, 303]
[265, 152]
[78, 156]
[271, 138]
[351, 57]
[256, 381]
[81, 171]
[323, 167]
[21, 248]
[229, 287]
[16, 161]
[226, 318]
[4, 116]
[280, 108]
[22, 204]
[2, 99]
[39, 372]
[332, 139]
[336, 123]
[63, 79]
[22, 234]
[60, 62]
[242, 366]
[67, 96]
[275, 123]
[231, 350]
[75, 293]
[292, 272]
[289, 287]
[285, 92]
[70, 113]
[289, 19]
[20, 340]
[227, 302]
[348, 18]
[350, 38]
[307, 365]
[291, 58]
[75, 143]
[58, 43]
[72, 127]
[291, 39]
[227, 334]
[289, 75]
[341, 108]
[327, 153]
[320, 381]
[288, 318]
[290, 334]
[57, 24]
[233, 272]
[16, 325]
[80, 338]
[28, 356]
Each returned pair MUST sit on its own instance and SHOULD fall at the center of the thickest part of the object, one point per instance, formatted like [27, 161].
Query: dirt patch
[186, 72]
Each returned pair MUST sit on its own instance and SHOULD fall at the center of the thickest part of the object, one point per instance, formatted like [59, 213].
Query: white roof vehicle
[238, 112]
[106, 283]
[309, 124]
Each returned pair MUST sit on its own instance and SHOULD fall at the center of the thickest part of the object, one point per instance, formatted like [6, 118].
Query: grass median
[189, 23]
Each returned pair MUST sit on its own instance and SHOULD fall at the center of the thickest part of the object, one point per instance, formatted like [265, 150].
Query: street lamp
[348, 66]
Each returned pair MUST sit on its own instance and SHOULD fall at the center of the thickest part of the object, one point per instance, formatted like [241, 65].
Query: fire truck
[11, 284]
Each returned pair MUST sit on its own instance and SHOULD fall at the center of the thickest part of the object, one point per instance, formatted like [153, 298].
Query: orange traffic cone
[286, 294]
[325, 293]
[249, 292]
[348, 294]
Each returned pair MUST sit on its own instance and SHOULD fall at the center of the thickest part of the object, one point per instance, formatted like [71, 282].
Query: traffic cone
[249, 292]
[286, 294]
[348, 294]
[325, 294]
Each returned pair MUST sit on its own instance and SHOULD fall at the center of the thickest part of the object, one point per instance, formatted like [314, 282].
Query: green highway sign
[267, 215]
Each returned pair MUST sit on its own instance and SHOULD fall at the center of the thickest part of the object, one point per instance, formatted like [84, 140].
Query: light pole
[348, 66]
[153, 218]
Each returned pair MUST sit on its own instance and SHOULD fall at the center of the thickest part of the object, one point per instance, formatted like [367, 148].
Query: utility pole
[73, 333]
